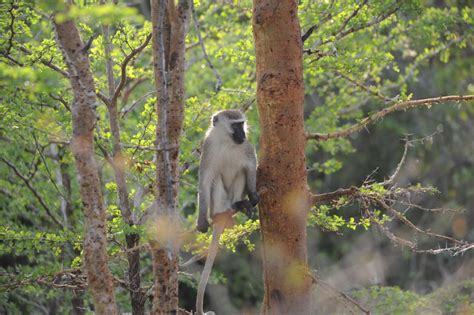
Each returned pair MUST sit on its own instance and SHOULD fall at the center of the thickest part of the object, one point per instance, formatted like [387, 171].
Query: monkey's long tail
[218, 228]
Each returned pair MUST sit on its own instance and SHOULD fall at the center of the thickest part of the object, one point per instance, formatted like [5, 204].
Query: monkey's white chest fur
[228, 177]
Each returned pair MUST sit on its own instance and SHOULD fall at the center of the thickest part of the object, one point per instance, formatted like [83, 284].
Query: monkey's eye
[214, 120]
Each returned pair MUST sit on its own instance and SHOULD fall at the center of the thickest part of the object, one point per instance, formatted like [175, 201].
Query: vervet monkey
[227, 174]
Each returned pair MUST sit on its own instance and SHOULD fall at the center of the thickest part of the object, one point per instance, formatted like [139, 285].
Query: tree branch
[35, 193]
[46, 62]
[364, 87]
[218, 85]
[404, 105]
[124, 65]
[11, 28]
[318, 280]
[343, 33]
[323, 20]
[350, 17]
[330, 196]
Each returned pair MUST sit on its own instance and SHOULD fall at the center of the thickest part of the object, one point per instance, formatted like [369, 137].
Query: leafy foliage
[359, 57]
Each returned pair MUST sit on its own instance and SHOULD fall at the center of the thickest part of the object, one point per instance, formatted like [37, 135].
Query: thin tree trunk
[137, 297]
[84, 103]
[282, 167]
[63, 181]
[169, 31]
[78, 303]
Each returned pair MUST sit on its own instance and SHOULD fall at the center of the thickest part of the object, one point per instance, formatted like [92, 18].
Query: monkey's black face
[238, 134]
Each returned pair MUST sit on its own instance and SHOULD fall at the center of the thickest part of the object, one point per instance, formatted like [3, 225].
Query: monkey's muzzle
[239, 134]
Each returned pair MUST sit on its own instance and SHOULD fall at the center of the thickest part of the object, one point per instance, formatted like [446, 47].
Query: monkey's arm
[247, 206]
[204, 189]
[251, 176]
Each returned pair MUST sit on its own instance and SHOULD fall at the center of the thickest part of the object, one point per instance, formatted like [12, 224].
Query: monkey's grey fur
[226, 175]
[227, 172]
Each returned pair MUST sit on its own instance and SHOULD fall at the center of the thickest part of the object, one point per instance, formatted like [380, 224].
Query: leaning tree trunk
[169, 30]
[84, 103]
[282, 168]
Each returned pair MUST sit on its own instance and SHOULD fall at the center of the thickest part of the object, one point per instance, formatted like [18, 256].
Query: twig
[11, 28]
[350, 17]
[317, 198]
[390, 180]
[323, 20]
[318, 280]
[411, 225]
[126, 110]
[192, 260]
[343, 33]
[61, 100]
[46, 62]
[218, 85]
[124, 65]
[35, 193]
[404, 105]
[364, 87]
[127, 92]
[410, 70]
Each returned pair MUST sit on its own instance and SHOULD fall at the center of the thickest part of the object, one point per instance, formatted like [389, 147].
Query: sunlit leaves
[107, 14]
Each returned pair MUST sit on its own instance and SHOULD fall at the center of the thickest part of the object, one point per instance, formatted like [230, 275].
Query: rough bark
[170, 24]
[282, 169]
[84, 103]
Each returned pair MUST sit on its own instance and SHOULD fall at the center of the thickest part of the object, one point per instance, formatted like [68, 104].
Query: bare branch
[404, 105]
[218, 85]
[411, 225]
[399, 166]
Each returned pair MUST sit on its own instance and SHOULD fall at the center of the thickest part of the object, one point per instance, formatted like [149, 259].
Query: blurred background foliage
[355, 64]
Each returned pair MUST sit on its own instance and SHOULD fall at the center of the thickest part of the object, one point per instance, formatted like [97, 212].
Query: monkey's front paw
[254, 198]
[244, 206]
[202, 226]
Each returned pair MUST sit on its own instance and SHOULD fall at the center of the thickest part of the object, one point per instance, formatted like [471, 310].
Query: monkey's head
[232, 122]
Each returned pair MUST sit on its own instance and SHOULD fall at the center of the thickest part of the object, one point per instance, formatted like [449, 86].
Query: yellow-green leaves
[107, 14]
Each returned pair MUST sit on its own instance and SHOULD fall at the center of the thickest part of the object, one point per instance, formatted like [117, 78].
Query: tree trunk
[132, 240]
[169, 31]
[84, 103]
[282, 167]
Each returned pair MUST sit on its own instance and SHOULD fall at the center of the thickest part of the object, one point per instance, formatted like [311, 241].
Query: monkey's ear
[214, 120]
